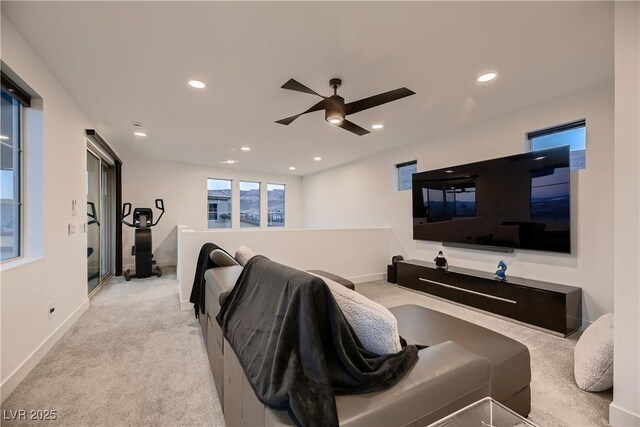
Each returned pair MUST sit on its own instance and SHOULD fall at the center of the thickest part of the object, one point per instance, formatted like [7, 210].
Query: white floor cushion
[373, 323]
[593, 356]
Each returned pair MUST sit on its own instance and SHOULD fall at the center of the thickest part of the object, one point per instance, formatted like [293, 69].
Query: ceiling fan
[335, 110]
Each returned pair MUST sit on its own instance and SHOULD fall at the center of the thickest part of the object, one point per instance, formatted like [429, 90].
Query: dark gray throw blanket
[295, 346]
[204, 263]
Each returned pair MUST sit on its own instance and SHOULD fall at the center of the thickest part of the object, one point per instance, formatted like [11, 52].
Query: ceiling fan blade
[299, 87]
[352, 127]
[319, 106]
[374, 101]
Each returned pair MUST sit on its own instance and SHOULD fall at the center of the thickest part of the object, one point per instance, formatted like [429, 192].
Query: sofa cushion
[220, 282]
[244, 254]
[222, 258]
[339, 279]
[593, 356]
[510, 360]
[374, 324]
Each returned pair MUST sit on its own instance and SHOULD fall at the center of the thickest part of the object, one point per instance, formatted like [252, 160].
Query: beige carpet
[555, 398]
[133, 359]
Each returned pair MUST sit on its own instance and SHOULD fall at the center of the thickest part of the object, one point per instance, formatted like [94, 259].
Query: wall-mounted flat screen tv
[520, 201]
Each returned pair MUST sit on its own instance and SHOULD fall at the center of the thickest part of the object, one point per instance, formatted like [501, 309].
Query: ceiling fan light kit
[335, 109]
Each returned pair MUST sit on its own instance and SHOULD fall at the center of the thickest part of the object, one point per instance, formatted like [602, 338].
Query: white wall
[361, 194]
[183, 186]
[54, 268]
[360, 255]
[625, 409]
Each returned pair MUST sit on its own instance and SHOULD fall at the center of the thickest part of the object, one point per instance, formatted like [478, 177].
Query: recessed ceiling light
[197, 84]
[292, 168]
[4, 137]
[540, 158]
[317, 158]
[245, 148]
[487, 77]
[449, 171]
[137, 133]
[377, 126]
[229, 162]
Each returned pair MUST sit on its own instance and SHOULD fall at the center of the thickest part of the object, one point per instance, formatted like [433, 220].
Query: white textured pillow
[244, 254]
[593, 356]
[373, 323]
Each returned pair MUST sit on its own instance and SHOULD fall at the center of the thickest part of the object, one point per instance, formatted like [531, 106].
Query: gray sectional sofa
[463, 363]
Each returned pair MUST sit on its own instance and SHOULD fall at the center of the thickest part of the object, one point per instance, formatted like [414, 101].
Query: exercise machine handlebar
[91, 213]
[126, 211]
[160, 207]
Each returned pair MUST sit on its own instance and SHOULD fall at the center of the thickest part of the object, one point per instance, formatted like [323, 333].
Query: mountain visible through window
[249, 204]
[275, 205]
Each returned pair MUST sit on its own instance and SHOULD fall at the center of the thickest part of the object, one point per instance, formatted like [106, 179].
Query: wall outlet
[72, 229]
[51, 310]
[74, 207]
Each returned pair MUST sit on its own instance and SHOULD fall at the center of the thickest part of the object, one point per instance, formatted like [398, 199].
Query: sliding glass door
[93, 221]
[100, 221]
[106, 213]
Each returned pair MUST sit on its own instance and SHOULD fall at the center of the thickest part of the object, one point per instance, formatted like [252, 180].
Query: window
[572, 134]
[219, 203]
[249, 204]
[275, 205]
[10, 175]
[404, 172]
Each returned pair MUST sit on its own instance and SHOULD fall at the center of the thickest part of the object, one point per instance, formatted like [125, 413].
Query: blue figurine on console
[501, 273]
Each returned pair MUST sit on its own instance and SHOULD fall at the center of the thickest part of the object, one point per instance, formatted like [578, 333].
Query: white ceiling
[129, 61]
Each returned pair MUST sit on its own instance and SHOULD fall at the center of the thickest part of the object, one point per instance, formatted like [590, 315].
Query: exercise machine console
[142, 249]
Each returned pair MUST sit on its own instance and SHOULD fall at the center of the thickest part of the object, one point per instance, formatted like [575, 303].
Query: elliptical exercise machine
[142, 222]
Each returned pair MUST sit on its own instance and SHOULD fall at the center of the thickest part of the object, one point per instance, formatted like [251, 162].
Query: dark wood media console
[550, 306]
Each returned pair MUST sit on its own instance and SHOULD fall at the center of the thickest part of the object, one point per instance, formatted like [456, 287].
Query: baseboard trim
[186, 305]
[158, 263]
[368, 278]
[619, 417]
[15, 378]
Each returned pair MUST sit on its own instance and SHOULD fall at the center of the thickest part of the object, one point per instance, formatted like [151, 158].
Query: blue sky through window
[575, 138]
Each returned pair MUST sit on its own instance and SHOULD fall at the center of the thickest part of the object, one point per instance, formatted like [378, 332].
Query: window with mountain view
[219, 203]
[275, 205]
[249, 204]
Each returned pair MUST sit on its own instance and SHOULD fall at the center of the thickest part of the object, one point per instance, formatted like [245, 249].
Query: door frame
[101, 144]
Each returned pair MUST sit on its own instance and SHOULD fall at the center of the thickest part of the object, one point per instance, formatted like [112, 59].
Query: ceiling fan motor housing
[334, 111]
